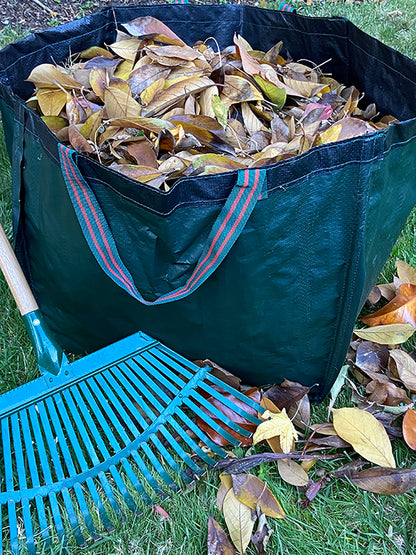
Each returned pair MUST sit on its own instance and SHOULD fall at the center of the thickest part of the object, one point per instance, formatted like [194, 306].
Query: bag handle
[224, 233]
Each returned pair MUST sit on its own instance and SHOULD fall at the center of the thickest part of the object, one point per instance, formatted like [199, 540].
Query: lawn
[342, 519]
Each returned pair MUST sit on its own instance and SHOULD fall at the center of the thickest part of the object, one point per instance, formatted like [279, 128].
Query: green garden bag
[263, 271]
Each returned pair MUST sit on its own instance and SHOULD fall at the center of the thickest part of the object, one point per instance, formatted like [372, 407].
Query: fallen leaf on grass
[371, 356]
[406, 272]
[158, 510]
[236, 466]
[218, 542]
[261, 536]
[286, 394]
[251, 491]
[406, 368]
[409, 428]
[239, 521]
[277, 425]
[400, 310]
[391, 334]
[292, 473]
[367, 436]
[387, 481]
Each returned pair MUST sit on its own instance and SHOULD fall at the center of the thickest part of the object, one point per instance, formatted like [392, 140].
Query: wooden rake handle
[15, 278]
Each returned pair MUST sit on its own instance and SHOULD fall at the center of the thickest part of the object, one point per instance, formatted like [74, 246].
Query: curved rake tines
[82, 455]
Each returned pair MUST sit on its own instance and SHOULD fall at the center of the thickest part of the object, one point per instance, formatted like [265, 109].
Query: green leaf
[274, 93]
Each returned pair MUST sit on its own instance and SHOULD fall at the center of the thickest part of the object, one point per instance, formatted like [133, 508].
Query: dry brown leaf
[218, 542]
[151, 28]
[119, 104]
[50, 76]
[387, 481]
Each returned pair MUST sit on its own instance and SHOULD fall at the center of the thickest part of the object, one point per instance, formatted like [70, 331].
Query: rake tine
[87, 391]
[146, 473]
[127, 380]
[93, 455]
[102, 380]
[142, 387]
[106, 405]
[96, 389]
[198, 397]
[21, 475]
[133, 410]
[112, 398]
[74, 523]
[133, 377]
[40, 507]
[229, 389]
[78, 451]
[167, 361]
[199, 433]
[45, 468]
[127, 377]
[72, 471]
[168, 358]
[8, 478]
[138, 375]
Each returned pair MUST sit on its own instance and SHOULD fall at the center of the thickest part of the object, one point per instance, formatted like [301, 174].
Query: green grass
[342, 520]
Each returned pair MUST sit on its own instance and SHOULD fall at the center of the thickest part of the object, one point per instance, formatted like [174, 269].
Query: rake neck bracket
[51, 359]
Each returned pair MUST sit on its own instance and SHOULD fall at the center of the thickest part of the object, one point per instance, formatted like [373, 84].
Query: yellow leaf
[54, 123]
[251, 491]
[91, 125]
[305, 88]
[366, 434]
[277, 425]
[51, 101]
[173, 94]
[405, 272]
[274, 93]
[292, 473]
[307, 465]
[239, 522]
[123, 70]
[94, 51]
[391, 334]
[406, 368]
[148, 94]
[330, 135]
[126, 49]
[50, 76]
[119, 104]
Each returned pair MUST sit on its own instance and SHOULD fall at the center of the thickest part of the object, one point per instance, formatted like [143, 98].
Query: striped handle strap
[224, 233]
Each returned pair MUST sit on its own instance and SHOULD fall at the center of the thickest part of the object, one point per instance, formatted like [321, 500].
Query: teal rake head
[114, 428]
[89, 440]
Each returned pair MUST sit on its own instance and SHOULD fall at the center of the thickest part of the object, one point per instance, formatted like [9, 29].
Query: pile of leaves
[155, 109]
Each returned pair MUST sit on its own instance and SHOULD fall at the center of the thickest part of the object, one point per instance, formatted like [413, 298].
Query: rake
[91, 439]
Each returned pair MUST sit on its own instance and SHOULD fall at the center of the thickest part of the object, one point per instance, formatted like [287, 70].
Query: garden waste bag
[261, 270]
